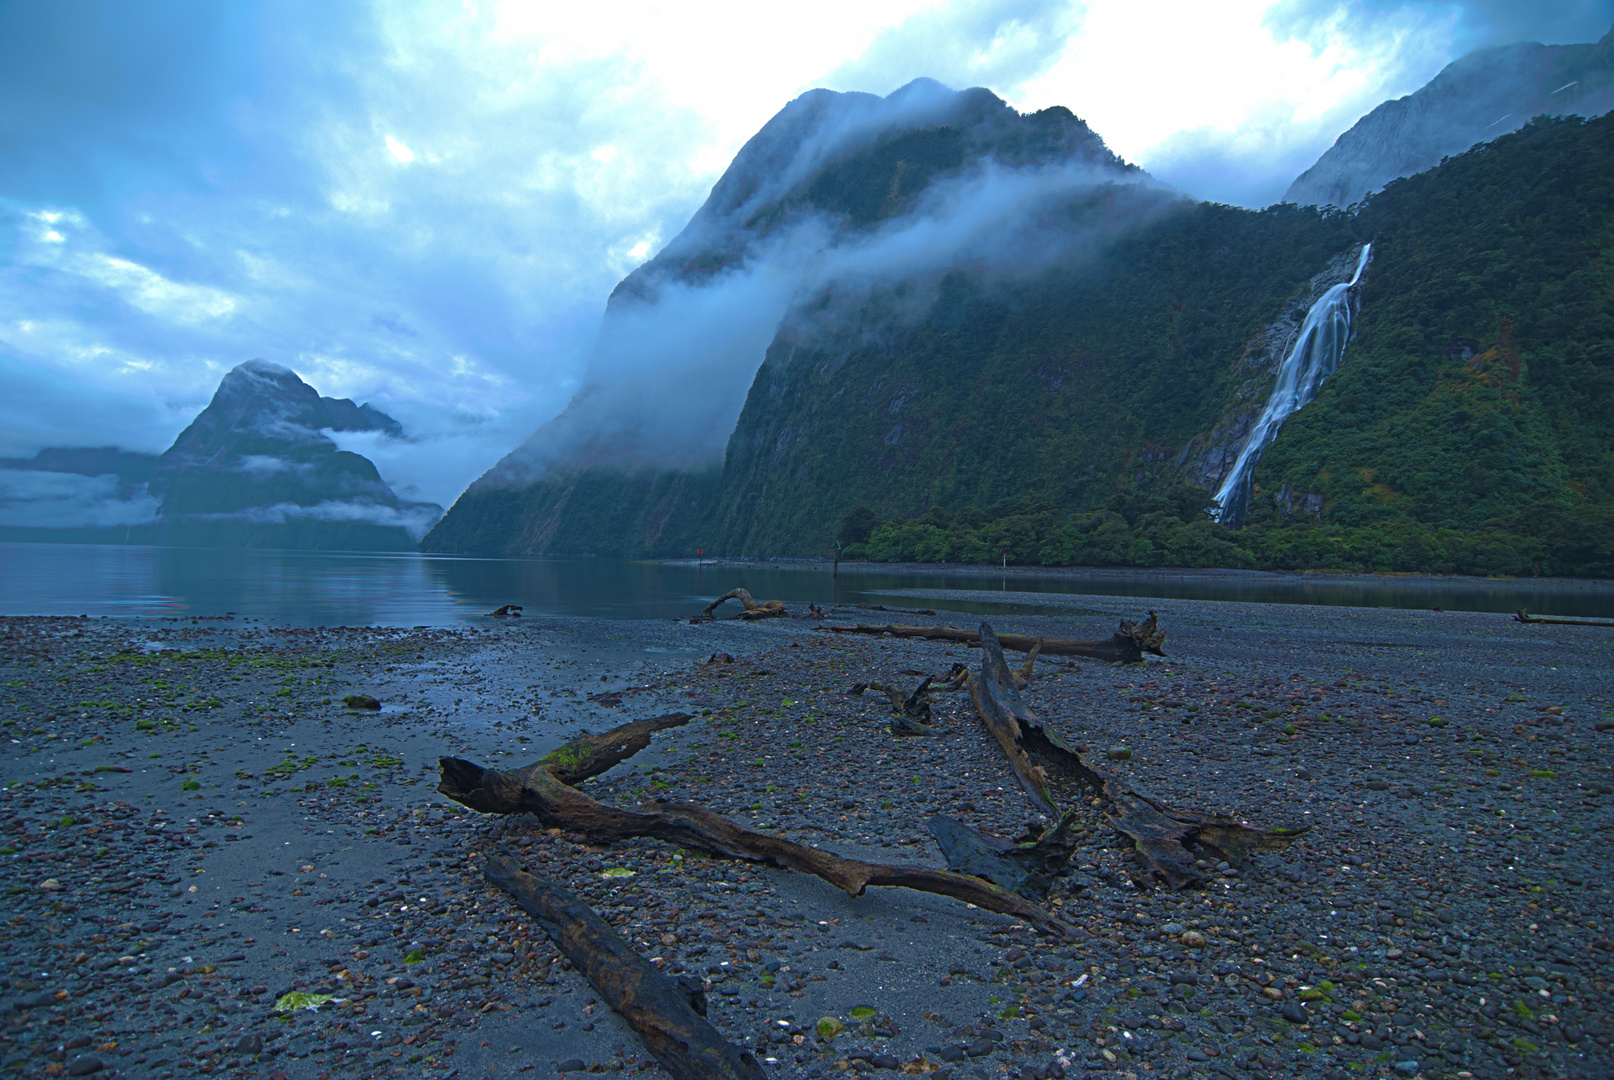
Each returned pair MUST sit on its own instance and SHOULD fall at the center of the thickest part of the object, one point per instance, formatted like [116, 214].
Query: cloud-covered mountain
[837, 195]
[256, 468]
[1475, 99]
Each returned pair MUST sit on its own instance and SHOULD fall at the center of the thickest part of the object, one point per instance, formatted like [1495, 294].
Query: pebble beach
[213, 865]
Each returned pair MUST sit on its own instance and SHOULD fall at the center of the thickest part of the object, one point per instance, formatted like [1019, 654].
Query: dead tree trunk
[1158, 834]
[672, 1025]
[540, 790]
[1127, 646]
[773, 609]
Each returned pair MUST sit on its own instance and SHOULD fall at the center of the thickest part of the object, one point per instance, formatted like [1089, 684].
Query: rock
[1119, 753]
[570, 1065]
[980, 1048]
[50, 884]
[1407, 1068]
[1194, 939]
[250, 1044]
[361, 701]
[84, 1066]
[1378, 785]
[828, 1027]
[885, 1061]
[1293, 1012]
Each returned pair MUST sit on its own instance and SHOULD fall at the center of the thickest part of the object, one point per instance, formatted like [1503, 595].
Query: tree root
[773, 609]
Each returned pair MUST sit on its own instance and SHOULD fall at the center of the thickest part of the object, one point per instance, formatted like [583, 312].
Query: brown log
[661, 1010]
[1000, 708]
[538, 791]
[1127, 646]
[583, 757]
[1159, 834]
[1525, 617]
[771, 610]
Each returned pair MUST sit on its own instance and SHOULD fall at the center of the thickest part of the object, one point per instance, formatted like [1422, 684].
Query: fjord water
[1318, 349]
[302, 588]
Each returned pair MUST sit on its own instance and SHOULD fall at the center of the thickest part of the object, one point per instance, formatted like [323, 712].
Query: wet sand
[196, 827]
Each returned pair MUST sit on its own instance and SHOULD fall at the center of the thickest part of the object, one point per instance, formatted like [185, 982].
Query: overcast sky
[424, 205]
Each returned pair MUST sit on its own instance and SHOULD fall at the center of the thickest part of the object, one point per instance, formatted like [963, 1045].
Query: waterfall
[1314, 356]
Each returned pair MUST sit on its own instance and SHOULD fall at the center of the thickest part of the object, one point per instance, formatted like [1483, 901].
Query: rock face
[835, 190]
[256, 469]
[1486, 94]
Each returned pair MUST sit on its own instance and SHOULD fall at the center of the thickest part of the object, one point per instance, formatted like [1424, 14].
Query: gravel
[195, 826]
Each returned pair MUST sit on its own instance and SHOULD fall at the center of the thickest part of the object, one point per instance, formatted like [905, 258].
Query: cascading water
[1315, 356]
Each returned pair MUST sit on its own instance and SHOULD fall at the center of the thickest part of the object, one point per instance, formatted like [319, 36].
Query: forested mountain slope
[1065, 414]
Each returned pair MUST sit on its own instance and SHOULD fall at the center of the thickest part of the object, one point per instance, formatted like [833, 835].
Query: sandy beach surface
[195, 827]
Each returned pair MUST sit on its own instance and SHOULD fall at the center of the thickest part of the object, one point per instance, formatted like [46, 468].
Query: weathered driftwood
[1128, 646]
[1027, 866]
[910, 713]
[1525, 617]
[1023, 677]
[896, 610]
[773, 609]
[1159, 835]
[667, 1016]
[542, 789]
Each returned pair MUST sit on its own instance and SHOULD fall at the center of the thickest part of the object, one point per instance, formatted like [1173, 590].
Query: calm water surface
[357, 589]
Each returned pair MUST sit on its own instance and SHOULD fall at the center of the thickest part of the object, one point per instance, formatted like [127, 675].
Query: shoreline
[1440, 871]
[1169, 573]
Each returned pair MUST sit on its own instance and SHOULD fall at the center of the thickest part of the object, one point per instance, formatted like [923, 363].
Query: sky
[423, 205]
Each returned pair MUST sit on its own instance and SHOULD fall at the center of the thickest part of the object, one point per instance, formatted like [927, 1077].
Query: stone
[84, 1066]
[1119, 752]
[570, 1065]
[1293, 1012]
[1194, 939]
[1407, 1068]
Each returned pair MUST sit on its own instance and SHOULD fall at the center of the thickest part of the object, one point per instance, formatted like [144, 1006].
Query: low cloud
[415, 518]
[53, 500]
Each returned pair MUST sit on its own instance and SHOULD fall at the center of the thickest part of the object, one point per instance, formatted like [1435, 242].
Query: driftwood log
[1159, 835]
[1525, 617]
[1128, 646]
[668, 1015]
[773, 609]
[543, 790]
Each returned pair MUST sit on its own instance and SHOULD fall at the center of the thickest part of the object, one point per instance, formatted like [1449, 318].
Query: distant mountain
[1475, 99]
[254, 469]
[835, 194]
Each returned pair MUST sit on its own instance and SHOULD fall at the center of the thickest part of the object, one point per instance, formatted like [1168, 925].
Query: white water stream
[1315, 356]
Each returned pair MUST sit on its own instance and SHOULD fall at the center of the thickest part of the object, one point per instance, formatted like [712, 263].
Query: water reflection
[356, 589]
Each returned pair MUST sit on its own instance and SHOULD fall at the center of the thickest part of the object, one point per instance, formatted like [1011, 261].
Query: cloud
[415, 518]
[53, 500]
